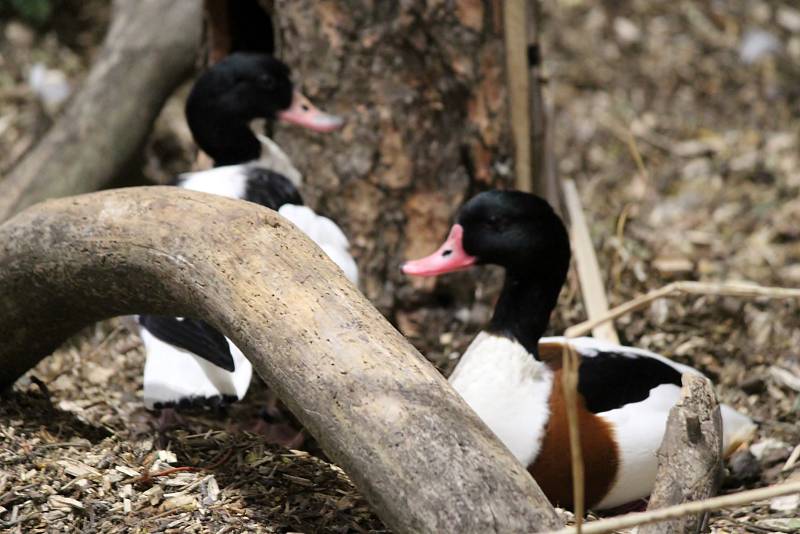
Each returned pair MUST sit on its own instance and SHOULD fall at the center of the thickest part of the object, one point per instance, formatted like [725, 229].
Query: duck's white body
[171, 373]
[510, 389]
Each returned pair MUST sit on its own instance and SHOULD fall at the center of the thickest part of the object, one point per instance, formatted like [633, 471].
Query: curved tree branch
[417, 452]
[150, 48]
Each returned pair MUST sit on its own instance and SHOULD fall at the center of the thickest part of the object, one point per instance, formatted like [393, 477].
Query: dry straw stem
[515, 22]
[569, 380]
[730, 289]
[594, 294]
[662, 514]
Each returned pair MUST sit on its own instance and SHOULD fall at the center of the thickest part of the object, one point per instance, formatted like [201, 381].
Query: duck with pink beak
[511, 376]
[188, 362]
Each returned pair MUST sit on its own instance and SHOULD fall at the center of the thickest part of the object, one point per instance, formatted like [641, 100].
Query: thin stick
[594, 294]
[569, 382]
[730, 289]
[148, 476]
[696, 507]
[515, 27]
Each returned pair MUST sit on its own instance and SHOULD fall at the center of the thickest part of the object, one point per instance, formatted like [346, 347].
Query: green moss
[36, 12]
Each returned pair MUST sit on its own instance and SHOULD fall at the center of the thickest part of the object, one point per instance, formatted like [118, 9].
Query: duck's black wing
[192, 335]
[612, 376]
[270, 189]
[609, 380]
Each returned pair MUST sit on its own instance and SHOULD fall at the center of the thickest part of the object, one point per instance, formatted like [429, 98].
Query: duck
[511, 376]
[188, 362]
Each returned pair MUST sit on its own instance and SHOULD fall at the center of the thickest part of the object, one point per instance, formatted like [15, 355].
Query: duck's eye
[267, 81]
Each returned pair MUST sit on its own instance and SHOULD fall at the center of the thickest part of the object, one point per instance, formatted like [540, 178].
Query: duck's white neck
[509, 389]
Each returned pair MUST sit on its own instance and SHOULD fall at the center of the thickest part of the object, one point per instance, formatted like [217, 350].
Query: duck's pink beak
[303, 113]
[450, 257]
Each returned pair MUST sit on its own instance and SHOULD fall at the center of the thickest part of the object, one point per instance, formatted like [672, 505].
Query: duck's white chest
[228, 181]
[509, 389]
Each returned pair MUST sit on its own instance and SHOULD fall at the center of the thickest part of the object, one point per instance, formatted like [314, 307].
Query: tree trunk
[150, 48]
[423, 89]
[420, 456]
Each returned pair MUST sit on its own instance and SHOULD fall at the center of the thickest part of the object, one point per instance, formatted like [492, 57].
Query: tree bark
[421, 457]
[422, 86]
[689, 459]
[150, 48]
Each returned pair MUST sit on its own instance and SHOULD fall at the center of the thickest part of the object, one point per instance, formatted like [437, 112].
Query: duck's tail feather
[326, 234]
[737, 429]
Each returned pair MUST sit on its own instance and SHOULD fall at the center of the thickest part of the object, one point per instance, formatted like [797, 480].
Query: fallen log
[420, 456]
[690, 456]
[150, 48]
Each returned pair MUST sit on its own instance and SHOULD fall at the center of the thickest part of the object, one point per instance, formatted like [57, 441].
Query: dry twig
[515, 24]
[662, 514]
[147, 477]
[594, 294]
[569, 380]
[730, 289]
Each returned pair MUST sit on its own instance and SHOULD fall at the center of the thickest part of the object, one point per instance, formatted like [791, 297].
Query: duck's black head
[520, 232]
[516, 230]
[241, 87]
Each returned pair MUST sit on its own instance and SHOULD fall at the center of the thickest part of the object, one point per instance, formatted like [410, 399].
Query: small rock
[61, 502]
[776, 456]
[167, 457]
[19, 35]
[211, 491]
[51, 86]
[692, 148]
[744, 467]
[785, 503]
[77, 469]
[789, 18]
[673, 265]
[97, 374]
[153, 495]
[757, 44]
[696, 169]
[127, 471]
[126, 491]
[626, 30]
[780, 142]
[785, 378]
[766, 445]
[179, 501]
[746, 161]
[786, 525]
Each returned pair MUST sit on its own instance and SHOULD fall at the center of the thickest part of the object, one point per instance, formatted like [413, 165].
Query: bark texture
[422, 86]
[690, 457]
[421, 457]
[150, 48]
